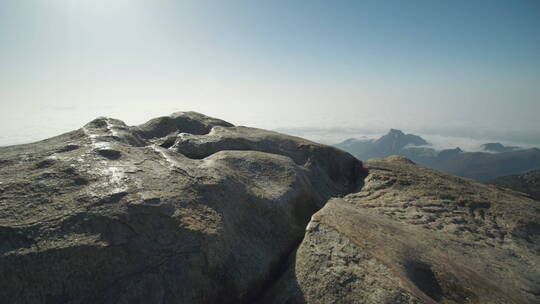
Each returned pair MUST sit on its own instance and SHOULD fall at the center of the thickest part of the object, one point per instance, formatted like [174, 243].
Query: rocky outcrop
[182, 209]
[413, 235]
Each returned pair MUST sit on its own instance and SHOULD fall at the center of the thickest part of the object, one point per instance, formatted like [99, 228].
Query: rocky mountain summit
[191, 209]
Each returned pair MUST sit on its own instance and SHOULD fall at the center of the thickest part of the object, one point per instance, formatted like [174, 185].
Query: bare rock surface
[191, 209]
[413, 235]
[182, 209]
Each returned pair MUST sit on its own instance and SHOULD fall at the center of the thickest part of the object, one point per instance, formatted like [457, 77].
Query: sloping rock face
[182, 209]
[528, 182]
[413, 235]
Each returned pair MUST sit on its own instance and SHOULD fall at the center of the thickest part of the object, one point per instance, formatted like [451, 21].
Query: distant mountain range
[495, 160]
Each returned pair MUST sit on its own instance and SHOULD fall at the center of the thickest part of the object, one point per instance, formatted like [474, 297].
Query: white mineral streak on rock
[111, 127]
[117, 178]
[115, 174]
[312, 224]
[172, 163]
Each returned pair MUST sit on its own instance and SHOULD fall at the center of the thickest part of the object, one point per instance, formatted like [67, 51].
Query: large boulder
[413, 235]
[182, 209]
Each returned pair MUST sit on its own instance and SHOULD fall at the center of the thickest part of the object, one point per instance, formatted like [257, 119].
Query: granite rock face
[182, 209]
[413, 235]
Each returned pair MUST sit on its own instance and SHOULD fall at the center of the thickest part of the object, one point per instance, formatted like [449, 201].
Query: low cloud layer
[437, 141]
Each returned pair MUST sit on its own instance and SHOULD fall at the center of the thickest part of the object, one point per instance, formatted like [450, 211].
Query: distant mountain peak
[395, 132]
[395, 140]
[498, 147]
[393, 143]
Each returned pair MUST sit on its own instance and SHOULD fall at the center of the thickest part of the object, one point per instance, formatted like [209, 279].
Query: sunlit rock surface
[182, 209]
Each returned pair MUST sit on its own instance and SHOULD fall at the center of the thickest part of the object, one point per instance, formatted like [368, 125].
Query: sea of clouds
[437, 141]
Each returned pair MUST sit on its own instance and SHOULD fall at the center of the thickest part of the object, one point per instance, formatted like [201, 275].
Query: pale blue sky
[415, 65]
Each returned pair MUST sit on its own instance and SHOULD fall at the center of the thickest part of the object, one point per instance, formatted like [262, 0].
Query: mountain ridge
[496, 160]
